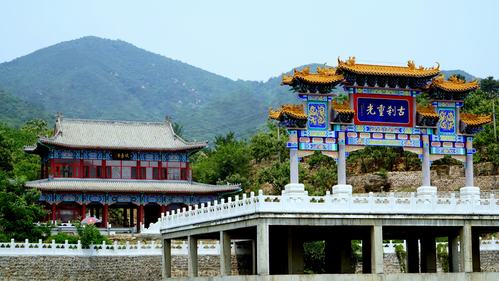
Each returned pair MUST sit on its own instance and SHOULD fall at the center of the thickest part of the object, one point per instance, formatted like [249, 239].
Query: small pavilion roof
[427, 111]
[120, 185]
[296, 111]
[114, 134]
[343, 107]
[324, 75]
[475, 119]
[387, 70]
[454, 84]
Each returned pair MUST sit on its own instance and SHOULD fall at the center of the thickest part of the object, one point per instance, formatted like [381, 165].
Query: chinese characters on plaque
[383, 110]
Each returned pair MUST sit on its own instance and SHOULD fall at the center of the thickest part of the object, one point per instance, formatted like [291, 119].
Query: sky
[259, 39]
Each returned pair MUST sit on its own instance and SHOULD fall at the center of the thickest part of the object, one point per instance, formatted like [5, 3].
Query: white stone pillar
[426, 191]
[167, 259]
[293, 166]
[294, 188]
[469, 193]
[262, 249]
[192, 260]
[469, 169]
[342, 189]
[225, 254]
[377, 249]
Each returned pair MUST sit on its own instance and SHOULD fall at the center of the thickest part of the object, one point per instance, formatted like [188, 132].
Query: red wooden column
[83, 211]
[140, 217]
[162, 209]
[54, 209]
[52, 167]
[105, 215]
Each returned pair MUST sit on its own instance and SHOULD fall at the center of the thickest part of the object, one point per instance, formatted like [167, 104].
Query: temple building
[134, 170]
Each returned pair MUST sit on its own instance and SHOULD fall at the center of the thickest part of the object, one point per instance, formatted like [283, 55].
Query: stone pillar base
[294, 189]
[470, 193]
[426, 192]
[342, 190]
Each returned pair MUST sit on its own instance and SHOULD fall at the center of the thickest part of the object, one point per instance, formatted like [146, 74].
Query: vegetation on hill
[15, 111]
[97, 78]
[111, 79]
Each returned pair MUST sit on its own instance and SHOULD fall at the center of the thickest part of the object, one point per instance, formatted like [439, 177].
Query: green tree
[19, 211]
[228, 158]
[269, 144]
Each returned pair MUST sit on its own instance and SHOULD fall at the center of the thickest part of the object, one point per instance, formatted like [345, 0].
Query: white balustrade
[178, 248]
[382, 204]
[153, 248]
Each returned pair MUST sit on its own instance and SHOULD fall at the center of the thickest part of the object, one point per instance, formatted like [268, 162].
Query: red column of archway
[83, 211]
[54, 209]
[105, 215]
[140, 217]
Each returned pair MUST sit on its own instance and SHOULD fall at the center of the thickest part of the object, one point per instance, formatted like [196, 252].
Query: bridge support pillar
[377, 249]
[426, 191]
[167, 259]
[412, 255]
[465, 248]
[453, 253]
[428, 255]
[262, 249]
[225, 254]
[192, 260]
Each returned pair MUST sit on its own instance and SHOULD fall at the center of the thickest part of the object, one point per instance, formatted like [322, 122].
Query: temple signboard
[383, 110]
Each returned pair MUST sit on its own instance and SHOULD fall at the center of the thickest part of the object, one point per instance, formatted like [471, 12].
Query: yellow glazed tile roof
[370, 69]
[475, 119]
[454, 84]
[296, 111]
[343, 107]
[427, 111]
[324, 75]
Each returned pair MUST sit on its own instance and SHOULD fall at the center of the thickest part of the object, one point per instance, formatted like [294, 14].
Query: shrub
[89, 234]
[61, 237]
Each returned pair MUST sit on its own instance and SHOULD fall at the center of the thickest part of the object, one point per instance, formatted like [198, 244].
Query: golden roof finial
[455, 79]
[411, 64]
[351, 61]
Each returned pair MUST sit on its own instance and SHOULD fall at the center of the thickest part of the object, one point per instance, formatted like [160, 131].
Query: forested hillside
[93, 77]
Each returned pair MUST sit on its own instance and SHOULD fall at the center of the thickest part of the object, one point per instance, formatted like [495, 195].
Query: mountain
[93, 77]
[111, 79]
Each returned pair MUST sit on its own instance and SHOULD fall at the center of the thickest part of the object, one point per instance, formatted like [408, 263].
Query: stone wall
[444, 177]
[108, 268]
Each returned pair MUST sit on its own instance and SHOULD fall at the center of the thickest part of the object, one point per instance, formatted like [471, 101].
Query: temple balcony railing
[358, 204]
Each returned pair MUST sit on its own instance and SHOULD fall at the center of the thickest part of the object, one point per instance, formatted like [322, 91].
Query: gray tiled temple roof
[119, 185]
[110, 134]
